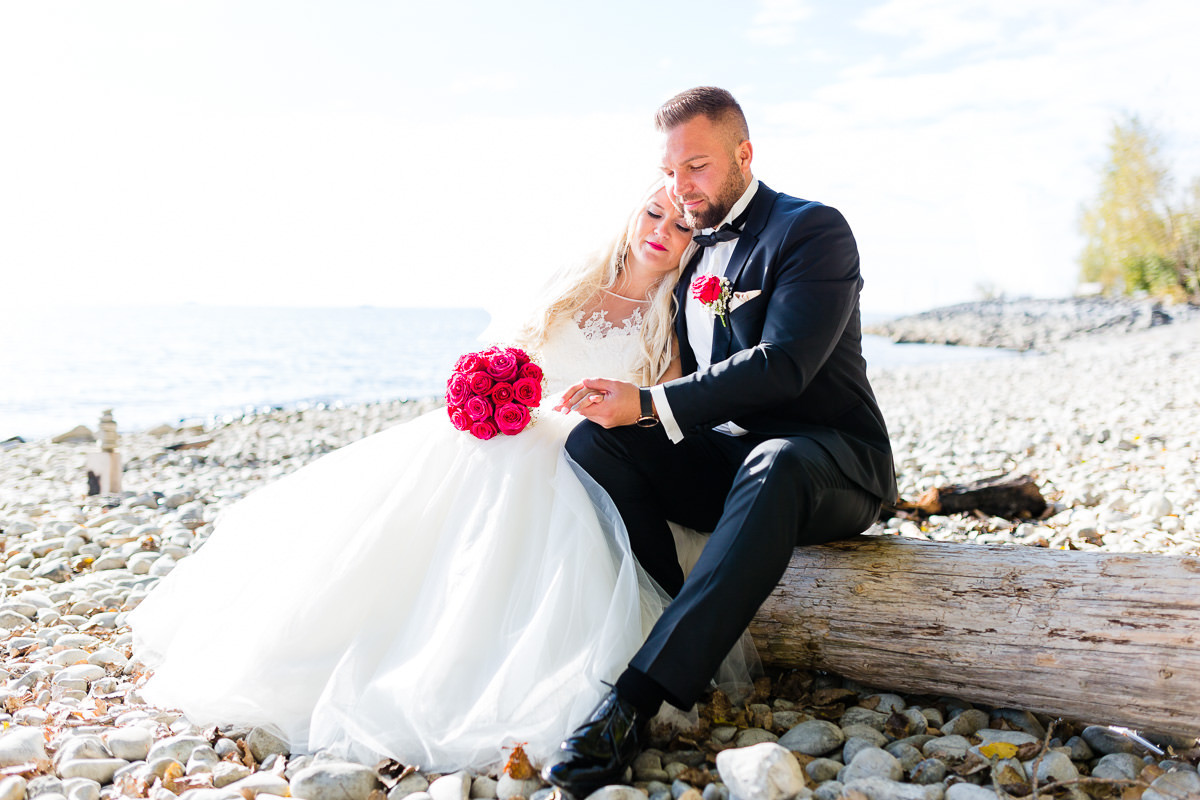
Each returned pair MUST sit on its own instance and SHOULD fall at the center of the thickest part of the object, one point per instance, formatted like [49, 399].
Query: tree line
[1142, 233]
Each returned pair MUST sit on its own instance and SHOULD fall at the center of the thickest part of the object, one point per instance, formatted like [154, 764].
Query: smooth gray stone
[865, 732]
[264, 742]
[969, 791]
[715, 791]
[12, 788]
[410, 785]
[21, 745]
[617, 792]
[100, 770]
[508, 786]
[823, 769]
[83, 746]
[906, 754]
[1054, 766]
[946, 747]
[877, 788]
[131, 744]
[46, 784]
[928, 771]
[1023, 721]
[830, 790]
[1119, 766]
[178, 748]
[483, 787]
[857, 715]
[455, 786]
[1080, 750]
[888, 702]
[815, 737]
[855, 745]
[966, 723]
[753, 736]
[917, 722]
[335, 781]
[1174, 786]
[1104, 741]
[872, 763]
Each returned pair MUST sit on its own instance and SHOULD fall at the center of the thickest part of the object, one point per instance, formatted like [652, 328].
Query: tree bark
[1104, 638]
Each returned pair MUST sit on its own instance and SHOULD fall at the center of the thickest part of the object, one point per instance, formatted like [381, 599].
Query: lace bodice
[591, 346]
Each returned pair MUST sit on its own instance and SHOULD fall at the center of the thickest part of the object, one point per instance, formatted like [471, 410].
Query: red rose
[481, 383]
[502, 366]
[521, 356]
[512, 418]
[458, 389]
[484, 429]
[707, 289]
[467, 363]
[460, 420]
[478, 408]
[528, 391]
[502, 393]
[530, 370]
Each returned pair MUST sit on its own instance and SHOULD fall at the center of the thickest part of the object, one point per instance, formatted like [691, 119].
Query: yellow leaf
[998, 750]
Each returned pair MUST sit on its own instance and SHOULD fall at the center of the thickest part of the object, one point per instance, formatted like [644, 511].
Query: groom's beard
[712, 214]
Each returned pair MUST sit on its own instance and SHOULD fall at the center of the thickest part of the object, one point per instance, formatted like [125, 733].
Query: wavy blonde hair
[573, 288]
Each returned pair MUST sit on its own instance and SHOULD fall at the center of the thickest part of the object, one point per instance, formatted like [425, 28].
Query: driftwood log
[1102, 638]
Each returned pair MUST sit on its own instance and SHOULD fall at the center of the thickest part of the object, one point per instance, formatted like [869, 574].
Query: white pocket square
[739, 298]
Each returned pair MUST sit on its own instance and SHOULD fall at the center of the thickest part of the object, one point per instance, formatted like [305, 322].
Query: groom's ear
[743, 154]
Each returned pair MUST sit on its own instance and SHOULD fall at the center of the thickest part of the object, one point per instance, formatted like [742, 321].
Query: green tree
[1136, 238]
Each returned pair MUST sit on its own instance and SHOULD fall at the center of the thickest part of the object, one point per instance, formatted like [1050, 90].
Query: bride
[423, 595]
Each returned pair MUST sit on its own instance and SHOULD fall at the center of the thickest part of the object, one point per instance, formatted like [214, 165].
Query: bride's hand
[609, 404]
[579, 393]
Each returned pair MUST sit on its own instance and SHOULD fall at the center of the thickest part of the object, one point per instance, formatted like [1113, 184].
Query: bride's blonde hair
[576, 286]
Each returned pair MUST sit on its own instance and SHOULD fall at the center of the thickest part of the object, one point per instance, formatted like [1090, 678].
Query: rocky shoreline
[1028, 323]
[1106, 423]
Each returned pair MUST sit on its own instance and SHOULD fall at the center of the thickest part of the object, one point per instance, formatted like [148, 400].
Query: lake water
[61, 368]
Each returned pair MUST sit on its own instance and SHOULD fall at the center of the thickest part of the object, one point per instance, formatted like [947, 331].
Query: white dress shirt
[700, 321]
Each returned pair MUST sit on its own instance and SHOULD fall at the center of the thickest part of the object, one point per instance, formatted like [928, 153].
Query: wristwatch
[647, 419]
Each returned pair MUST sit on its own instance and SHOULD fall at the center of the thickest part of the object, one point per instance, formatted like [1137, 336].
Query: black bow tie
[726, 233]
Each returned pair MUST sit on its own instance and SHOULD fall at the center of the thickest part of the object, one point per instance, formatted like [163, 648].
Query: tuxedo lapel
[687, 359]
[760, 209]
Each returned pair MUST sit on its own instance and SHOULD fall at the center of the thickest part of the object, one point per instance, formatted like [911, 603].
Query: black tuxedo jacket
[790, 362]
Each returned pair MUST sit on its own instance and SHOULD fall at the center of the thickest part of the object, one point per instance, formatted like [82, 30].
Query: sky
[294, 153]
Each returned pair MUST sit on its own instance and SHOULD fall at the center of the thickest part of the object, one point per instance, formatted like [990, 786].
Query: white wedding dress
[419, 594]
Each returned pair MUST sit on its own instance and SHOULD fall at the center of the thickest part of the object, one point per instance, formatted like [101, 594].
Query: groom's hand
[607, 403]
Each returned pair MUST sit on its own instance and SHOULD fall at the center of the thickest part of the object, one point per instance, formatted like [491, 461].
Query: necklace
[623, 297]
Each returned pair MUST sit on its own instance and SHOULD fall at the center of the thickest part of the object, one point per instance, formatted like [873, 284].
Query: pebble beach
[1107, 422]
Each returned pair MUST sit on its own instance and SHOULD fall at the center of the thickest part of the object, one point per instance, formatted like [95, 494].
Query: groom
[772, 439]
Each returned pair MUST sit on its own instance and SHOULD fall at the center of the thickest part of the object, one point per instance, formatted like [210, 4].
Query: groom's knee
[582, 442]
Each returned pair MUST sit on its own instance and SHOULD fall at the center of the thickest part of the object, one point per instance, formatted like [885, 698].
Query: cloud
[774, 25]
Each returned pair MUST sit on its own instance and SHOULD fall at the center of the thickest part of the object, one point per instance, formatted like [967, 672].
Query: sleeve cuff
[663, 408]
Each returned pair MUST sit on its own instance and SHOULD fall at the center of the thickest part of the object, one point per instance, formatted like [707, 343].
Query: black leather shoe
[599, 750]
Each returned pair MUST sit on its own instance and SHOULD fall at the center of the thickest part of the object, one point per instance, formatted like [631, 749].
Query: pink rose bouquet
[493, 392]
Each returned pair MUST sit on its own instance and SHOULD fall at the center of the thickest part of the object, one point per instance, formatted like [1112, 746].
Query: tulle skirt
[419, 595]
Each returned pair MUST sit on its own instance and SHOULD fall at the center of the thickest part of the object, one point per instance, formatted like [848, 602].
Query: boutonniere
[713, 292]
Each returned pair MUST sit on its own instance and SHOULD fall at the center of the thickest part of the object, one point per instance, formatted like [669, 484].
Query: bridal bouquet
[493, 391]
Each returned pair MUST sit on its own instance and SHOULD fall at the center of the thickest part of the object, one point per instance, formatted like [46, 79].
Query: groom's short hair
[709, 101]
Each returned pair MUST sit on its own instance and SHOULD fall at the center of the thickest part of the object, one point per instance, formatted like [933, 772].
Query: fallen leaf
[897, 726]
[518, 767]
[971, 764]
[999, 750]
[825, 697]
[696, 776]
